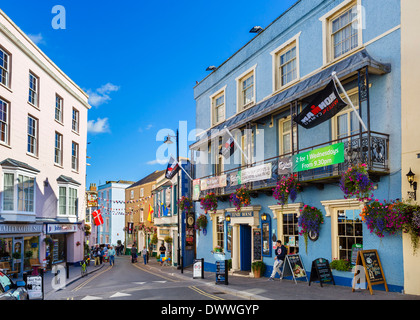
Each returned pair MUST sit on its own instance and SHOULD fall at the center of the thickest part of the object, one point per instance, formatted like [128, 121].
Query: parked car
[10, 290]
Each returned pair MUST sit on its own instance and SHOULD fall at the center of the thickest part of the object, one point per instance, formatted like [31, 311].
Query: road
[127, 281]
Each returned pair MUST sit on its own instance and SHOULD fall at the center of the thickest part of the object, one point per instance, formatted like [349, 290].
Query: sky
[139, 62]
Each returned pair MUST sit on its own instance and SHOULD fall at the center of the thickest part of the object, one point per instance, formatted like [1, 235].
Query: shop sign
[285, 165]
[20, 228]
[164, 232]
[257, 173]
[92, 200]
[213, 182]
[318, 158]
[242, 214]
[61, 228]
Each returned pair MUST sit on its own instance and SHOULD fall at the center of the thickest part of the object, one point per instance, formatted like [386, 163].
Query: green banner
[318, 158]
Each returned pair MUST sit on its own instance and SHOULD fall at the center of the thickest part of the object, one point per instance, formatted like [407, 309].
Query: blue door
[245, 237]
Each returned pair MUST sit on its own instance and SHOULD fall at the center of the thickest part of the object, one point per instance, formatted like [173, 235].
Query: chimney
[92, 187]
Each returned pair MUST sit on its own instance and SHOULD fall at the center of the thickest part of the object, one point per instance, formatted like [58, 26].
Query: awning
[304, 88]
[15, 164]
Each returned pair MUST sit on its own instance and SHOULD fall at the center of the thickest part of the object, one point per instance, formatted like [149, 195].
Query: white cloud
[98, 126]
[37, 38]
[158, 161]
[101, 95]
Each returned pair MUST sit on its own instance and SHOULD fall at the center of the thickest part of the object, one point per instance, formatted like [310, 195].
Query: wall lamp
[211, 68]
[228, 218]
[256, 29]
[264, 217]
[413, 184]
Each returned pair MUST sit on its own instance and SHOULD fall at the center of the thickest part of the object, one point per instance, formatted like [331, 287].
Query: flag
[165, 210]
[97, 217]
[149, 217]
[158, 211]
[172, 169]
[228, 148]
[325, 105]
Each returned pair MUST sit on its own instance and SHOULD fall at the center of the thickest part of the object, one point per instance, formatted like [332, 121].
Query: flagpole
[334, 75]
[237, 144]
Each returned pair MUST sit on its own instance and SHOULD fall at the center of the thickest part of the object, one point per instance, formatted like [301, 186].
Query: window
[285, 136]
[218, 163]
[286, 63]
[342, 30]
[4, 67]
[75, 156]
[291, 232]
[58, 108]
[141, 192]
[62, 200]
[25, 191]
[32, 147]
[350, 231]
[75, 120]
[8, 192]
[246, 89]
[217, 101]
[266, 238]
[345, 123]
[33, 89]
[4, 121]
[58, 149]
[72, 201]
[220, 231]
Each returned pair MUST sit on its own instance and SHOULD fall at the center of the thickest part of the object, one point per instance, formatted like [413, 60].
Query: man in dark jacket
[280, 252]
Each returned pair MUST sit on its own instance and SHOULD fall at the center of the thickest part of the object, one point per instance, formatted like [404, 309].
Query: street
[127, 281]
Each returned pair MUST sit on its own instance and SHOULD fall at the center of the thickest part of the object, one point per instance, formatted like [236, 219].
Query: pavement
[239, 286]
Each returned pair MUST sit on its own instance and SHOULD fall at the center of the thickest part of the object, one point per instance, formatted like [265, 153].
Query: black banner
[326, 105]
[172, 169]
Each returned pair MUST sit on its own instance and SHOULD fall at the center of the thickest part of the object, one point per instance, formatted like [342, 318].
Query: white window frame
[6, 70]
[59, 108]
[328, 54]
[34, 137]
[75, 120]
[276, 53]
[348, 110]
[6, 123]
[58, 149]
[240, 104]
[67, 214]
[33, 92]
[213, 97]
[75, 158]
[282, 133]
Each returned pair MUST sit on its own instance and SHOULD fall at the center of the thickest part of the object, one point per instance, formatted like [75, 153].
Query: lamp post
[180, 263]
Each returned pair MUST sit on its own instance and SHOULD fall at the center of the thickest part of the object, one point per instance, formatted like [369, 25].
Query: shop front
[19, 244]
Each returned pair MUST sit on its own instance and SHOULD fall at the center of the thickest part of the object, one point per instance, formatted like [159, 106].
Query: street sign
[198, 268]
[318, 158]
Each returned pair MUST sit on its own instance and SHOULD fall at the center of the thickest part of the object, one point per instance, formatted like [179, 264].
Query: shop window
[265, 234]
[350, 231]
[291, 232]
[218, 231]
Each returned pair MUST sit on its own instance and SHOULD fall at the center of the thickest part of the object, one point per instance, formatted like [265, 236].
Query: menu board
[321, 272]
[55, 251]
[293, 266]
[257, 244]
[198, 268]
[34, 286]
[354, 250]
[221, 272]
[372, 268]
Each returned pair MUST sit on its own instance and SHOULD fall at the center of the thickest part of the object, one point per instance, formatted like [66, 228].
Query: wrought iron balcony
[369, 148]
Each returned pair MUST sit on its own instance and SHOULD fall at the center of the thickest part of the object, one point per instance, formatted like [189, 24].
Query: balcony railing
[369, 148]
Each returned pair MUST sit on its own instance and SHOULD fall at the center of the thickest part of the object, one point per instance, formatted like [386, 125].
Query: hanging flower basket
[209, 202]
[287, 187]
[309, 221]
[355, 182]
[201, 222]
[185, 204]
[240, 198]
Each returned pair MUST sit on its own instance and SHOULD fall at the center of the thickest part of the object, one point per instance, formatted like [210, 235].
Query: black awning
[304, 88]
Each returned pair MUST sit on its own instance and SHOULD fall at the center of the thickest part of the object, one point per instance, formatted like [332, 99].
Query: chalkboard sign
[354, 250]
[372, 268]
[257, 244]
[34, 286]
[321, 271]
[293, 266]
[221, 272]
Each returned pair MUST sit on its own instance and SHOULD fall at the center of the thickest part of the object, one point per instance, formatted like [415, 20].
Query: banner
[149, 217]
[172, 169]
[196, 190]
[213, 182]
[257, 173]
[228, 148]
[319, 158]
[326, 105]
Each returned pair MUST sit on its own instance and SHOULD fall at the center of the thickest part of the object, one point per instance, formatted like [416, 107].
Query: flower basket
[209, 202]
[240, 198]
[355, 182]
[186, 204]
[201, 222]
[310, 220]
[287, 187]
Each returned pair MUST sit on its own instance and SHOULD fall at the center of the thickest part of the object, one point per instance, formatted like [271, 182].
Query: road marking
[205, 293]
[90, 279]
[92, 298]
[120, 294]
[160, 281]
[140, 282]
[159, 275]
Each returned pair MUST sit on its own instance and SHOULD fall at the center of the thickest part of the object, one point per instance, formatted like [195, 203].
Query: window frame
[75, 121]
[281, 133]
[6, 70]
[35, 91]
[213, 107]
[218, 219]
[6, 123]
[60, 154]
[33, 138]
[58, 98]
[348, 110]
[75, 158]
[240, 103]
[68, 187]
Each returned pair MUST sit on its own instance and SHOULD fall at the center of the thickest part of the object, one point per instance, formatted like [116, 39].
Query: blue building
[254, 95]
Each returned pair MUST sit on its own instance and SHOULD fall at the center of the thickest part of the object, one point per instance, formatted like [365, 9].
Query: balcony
[370, 148]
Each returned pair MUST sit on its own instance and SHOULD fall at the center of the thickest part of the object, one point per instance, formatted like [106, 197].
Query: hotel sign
[213, 182]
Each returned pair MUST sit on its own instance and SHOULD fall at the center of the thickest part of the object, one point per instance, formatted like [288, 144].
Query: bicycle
[84, 264]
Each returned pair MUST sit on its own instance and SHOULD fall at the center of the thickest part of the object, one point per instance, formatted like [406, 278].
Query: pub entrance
[245, 247]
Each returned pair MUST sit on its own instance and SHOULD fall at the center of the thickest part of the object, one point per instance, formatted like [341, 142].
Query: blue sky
[139, 61]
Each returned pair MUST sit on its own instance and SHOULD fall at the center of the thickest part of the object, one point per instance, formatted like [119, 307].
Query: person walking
[280, 253]
[144, 253]
[96, 252]
[133, 253]
[100, 254]
[162, 251]
[111, 254]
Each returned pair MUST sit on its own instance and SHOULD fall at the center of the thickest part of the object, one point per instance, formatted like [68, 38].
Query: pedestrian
[100, 254]
[144, 253]
[122, 249]
[162, 251]
[133, 253]
[96, 253]
[111, 254]
[280, 253]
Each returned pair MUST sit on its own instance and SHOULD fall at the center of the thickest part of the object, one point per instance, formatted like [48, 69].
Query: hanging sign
[321, 272]
[213, 182]
[257, 173]
[318, 158]
[326, 105]
[293, 266]
[196, 190]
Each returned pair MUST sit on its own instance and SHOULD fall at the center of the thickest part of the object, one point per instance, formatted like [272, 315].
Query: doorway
[245, 247]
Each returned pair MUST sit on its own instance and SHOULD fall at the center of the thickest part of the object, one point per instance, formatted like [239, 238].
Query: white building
[43, 130]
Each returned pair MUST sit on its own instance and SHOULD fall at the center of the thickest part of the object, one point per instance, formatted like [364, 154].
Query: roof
[300, 90]
[17, 164]
[66, 179]
[150, 178]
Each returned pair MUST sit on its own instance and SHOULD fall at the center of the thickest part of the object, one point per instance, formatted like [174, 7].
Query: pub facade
[273, 110]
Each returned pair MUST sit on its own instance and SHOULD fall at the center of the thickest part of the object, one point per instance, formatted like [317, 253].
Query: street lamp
[168, 140]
